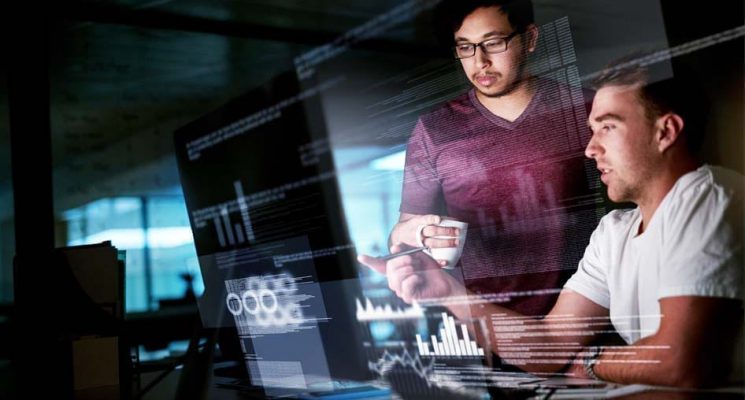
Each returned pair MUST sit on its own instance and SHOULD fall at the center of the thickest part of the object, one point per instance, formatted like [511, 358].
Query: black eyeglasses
[488, 46]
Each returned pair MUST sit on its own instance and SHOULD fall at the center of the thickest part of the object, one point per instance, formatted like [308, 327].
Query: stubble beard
[521, 78]
[511, 87]
[631, 192]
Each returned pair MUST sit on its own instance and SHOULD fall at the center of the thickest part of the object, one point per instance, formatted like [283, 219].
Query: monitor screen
[275, 255]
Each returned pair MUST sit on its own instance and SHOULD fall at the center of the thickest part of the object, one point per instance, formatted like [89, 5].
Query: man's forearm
[637, 363]
[646, 361]
[649, 361]
[694, 345]
[520, 330]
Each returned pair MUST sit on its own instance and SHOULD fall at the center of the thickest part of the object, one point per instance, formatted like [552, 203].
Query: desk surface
[166, 389]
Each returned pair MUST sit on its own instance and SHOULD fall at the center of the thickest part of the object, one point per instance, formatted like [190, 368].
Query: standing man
[668, 274]
[505, 157]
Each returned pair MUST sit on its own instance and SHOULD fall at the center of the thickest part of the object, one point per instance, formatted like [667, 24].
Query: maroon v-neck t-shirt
[524, 186]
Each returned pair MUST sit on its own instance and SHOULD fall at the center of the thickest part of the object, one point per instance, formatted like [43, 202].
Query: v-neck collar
[501, 121]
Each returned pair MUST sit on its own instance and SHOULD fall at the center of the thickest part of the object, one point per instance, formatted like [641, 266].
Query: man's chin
[493, 92]
[496, 91]
[617, 197]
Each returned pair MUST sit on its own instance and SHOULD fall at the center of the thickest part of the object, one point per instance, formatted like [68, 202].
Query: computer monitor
[277, 262]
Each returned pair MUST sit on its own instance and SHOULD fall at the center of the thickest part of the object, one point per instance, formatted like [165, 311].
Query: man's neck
[510, 106]
[658, 188]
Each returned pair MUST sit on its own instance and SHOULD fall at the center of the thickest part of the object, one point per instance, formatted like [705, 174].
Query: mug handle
[419, 238]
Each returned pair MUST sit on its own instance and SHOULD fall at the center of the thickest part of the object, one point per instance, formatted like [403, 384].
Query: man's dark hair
[679, 94]
[449, 15]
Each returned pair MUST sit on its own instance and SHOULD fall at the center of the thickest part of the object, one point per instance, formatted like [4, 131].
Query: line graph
[376, 313]
[388, 361]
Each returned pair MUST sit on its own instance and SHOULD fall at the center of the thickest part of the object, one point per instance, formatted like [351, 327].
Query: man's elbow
[694, 374]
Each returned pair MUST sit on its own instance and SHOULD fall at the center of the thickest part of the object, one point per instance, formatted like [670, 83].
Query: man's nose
[593, 148]
[482, 59]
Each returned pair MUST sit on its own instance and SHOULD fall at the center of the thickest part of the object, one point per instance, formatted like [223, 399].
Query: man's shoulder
[724, 178]
[711, 180]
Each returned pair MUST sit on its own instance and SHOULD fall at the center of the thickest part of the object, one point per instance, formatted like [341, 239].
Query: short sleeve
[591, 278]
[422, 191]
[703, 243]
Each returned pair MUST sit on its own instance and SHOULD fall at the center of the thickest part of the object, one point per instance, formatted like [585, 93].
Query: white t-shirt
[691, 247]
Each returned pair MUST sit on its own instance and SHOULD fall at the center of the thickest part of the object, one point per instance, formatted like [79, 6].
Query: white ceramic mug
[449, 254]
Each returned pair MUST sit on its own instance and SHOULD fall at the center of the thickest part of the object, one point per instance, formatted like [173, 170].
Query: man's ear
[531, 37]
[668, 129]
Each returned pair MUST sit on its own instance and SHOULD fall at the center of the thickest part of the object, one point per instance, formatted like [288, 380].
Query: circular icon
[236, 300]
[263, 318]
[254, 283]
[267, 301]
[254, 299]
[272, 303]
[285, 284]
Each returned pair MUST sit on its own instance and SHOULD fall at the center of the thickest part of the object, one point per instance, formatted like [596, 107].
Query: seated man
[668, 273]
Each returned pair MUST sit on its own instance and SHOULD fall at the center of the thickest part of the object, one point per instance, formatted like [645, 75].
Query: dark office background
[92, 91]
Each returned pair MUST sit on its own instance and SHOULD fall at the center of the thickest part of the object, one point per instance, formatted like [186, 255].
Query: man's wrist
[455, 286]
[460, 309]
[590, 360]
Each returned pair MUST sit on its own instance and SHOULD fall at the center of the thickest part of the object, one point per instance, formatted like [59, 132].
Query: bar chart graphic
[223, 226]
[234, 222]
[386, 313]
[449, 345]
[219, 216]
